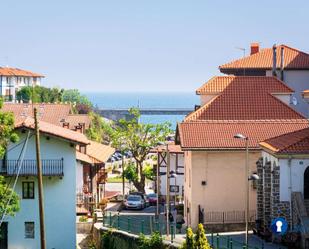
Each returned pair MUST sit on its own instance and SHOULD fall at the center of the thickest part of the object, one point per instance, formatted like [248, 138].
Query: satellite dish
[294, 101]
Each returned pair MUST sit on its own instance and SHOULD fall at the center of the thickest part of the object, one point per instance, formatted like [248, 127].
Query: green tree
[7, 135]
[139, 139]
[99, 129]
[200, 238]
[39, 94]
[74, 96]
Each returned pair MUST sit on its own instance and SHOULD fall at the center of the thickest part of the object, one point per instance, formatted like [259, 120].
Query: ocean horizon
[146, 100]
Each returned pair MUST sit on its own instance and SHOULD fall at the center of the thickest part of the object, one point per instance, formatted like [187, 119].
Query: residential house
[176, 184]
[58, 154]
[288, 64]
[283, 187]
[12, 79]
[215, 181]
[91, 175]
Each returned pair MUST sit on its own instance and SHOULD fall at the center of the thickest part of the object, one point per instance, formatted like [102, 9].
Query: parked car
[145, 198]
[152, 199]
[134, 202]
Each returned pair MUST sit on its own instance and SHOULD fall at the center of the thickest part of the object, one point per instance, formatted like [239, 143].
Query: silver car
[134, 202]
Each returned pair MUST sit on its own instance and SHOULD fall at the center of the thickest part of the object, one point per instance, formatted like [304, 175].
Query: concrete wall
[59, 199]
[224, 175]
[298, 80]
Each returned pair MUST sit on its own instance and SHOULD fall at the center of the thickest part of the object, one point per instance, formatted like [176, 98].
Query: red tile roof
[219, 135]
[99, 152]
[8, 71]
[172, 148]
[76, 119]
[245, 98]
[218, 84]
[54, 130]
[293, 59]
[51, 113]
[296, 142]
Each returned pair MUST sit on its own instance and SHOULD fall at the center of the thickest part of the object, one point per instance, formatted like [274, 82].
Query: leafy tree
[139, 139]
[7, 135]
[200, 238]
[99, 129]
[39, 94]
[74, 96]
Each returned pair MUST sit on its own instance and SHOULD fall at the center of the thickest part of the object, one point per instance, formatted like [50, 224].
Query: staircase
[300, 214]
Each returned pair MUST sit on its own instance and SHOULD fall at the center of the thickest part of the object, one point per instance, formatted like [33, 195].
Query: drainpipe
[290, 187]
[281, 63]
[274, 73]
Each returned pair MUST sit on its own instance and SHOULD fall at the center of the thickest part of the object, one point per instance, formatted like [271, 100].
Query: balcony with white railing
[50, 167]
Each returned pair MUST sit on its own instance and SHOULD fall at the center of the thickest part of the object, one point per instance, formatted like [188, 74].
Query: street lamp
[241, 136]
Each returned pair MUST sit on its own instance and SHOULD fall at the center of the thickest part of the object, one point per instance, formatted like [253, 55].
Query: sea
[147, 100]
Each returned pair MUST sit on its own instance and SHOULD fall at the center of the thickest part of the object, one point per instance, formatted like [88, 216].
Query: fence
[226, 242]
[228, 217]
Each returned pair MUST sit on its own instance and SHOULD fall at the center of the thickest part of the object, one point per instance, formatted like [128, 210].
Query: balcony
[50, 167]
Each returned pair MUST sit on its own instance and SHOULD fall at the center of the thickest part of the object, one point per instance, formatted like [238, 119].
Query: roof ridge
[295, 49]
[247, 121]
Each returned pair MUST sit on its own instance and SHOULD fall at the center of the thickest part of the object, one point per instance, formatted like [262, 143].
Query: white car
[134, 202]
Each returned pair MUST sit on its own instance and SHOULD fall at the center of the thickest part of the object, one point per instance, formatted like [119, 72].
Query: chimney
[274, 73]
[79, 128]
[282, 63]
[255, 48]
[66, 125]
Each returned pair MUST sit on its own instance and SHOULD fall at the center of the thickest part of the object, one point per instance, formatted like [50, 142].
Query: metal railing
[50, 167]
[228, 217]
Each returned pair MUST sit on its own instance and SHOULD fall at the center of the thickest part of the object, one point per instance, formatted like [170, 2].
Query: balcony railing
[50, 167]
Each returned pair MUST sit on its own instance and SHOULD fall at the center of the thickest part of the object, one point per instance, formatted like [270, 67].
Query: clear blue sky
[141, 45]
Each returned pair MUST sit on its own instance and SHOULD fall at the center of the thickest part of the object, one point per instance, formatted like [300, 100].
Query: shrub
[154, 242]
[83, 219]
[196, 241]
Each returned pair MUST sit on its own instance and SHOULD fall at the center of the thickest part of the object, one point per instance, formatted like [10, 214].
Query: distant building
[12, 79]
[283, 187]
[176, 184]
[58, 155]
[288, 64]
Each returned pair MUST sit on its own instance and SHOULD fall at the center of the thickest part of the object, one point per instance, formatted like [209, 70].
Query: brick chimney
[255, 48]
[66, 125]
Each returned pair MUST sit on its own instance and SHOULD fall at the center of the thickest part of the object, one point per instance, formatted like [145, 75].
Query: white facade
[291, 174]
[59, 198]
[176, 165]
[9, 85]
[298, 80]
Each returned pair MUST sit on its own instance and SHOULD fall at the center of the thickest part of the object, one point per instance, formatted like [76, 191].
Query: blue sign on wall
[279, 226]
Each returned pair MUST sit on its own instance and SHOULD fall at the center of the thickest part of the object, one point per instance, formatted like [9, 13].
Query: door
[4, 236]
[306, 184]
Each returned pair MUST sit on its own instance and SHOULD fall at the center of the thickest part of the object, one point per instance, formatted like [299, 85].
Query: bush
[154, 242]
[83, 219]
[196, 241]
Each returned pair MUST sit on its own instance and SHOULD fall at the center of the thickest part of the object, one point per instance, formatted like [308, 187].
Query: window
[28, 190]
[174, 188]
[29, 230]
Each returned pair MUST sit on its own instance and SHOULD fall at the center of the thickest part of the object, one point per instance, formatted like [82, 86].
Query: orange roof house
[9, 71]
[263, 60]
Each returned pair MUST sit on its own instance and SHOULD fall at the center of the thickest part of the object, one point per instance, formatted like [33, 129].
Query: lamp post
[241, 136]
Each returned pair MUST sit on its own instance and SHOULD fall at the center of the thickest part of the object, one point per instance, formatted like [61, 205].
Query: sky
[142, 45]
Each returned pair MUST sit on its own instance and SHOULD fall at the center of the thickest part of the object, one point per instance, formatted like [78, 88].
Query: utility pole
[40, 180]
[167, 190]
[158, 184]
[123, 182]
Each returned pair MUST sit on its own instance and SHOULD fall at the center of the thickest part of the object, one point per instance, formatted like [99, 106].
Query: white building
[58, 155]
[176, 184]
[283, 188]
[13, 79]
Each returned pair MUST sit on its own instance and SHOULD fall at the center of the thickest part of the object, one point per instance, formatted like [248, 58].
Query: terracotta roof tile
[51, 113]
[99, 152]
[296, 142]
[245, 98]
[293, 59]
[8, 71]
[214, 134]
[172, 147]
[76, 119]
[54, 130]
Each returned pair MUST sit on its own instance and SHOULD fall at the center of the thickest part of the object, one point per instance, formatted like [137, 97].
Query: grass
[117, 179]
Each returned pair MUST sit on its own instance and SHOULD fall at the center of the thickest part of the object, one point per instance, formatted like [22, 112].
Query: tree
[99, 129]
[74, 96]
[139, 139]
[39, 94]
[7, 135]
[200, 238]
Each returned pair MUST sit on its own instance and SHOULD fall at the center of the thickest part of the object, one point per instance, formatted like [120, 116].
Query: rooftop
[9, 71]
[263, 59]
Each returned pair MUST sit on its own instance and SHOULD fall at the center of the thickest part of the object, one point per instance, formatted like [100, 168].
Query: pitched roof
[99, 152]
[9, 71]
[83, 157]
[172, 148]
[296, 142]
[293, 59]
[54, 130]
[216, 134]
[51, 113]
[76, 119]
[245, 98]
